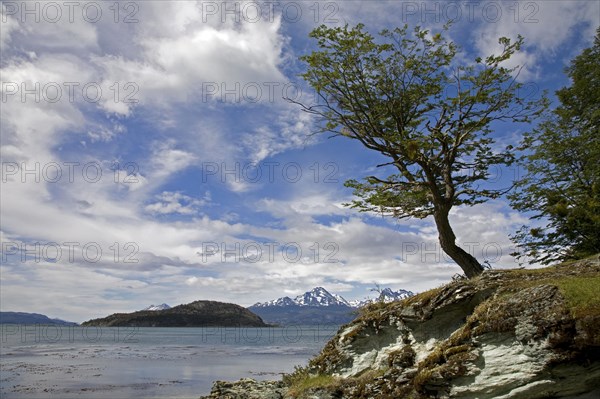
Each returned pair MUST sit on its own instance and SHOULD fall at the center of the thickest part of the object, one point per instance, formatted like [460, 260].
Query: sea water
[41, 361]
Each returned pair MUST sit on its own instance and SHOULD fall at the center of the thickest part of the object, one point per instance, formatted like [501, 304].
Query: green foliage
[404, 96]
[562, 184]
[582, 295]
[300, 373]
[301, 382]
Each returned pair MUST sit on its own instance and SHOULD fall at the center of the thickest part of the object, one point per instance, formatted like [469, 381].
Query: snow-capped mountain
[285, 301]
[162, 306]
[318, 296]
[341, 299]
[386, 295]
[317, 306]
[359, 303]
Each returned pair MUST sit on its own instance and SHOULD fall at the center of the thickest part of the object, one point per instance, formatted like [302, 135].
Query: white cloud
[105, 133]
[168, 55]
[187, 58]
[47, 28]
[291, 130]
[176, 202]
[8, 26]
[546, 26]
[37, 105]
[191, 280]
[309, 205]
[167, 159]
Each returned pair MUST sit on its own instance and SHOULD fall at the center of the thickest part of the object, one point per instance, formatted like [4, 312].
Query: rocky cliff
[528, 333]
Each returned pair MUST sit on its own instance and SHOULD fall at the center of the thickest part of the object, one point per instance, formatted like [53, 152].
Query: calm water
[109, 362]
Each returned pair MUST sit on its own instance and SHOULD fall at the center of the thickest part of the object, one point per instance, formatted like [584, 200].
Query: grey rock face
[524, 334]
[509, 335]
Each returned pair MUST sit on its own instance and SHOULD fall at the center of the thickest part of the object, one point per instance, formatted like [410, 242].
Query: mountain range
[318, 306]
[319, 296]
[31, 318]
[386, 295]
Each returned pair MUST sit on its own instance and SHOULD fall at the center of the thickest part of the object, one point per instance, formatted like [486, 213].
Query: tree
[562, 181]
[407, 98]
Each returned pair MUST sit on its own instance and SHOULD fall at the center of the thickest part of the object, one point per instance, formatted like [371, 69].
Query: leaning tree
[409, 97]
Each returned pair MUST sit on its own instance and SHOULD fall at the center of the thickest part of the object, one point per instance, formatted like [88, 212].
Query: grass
[580, 288]
[302, 385]
[404, 357]
[375, 313]
[581, 292]
[329, 355]
[423, 298]
[582, 295]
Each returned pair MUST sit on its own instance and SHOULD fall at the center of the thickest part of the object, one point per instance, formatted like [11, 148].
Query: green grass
[581, 292]
[424, 297]
[582, 295]
[302, 386]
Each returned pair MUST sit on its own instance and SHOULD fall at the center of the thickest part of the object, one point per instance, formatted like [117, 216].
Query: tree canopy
[408, 97]
[562, 181]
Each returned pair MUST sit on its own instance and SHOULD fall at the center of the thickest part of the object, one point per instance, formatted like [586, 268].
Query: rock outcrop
[247, 388]
[527, 333]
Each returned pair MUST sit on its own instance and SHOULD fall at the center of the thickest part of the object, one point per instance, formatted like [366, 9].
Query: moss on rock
[436, 342]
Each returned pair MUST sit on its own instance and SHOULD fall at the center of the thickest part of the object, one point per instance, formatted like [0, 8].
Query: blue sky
[137, 140]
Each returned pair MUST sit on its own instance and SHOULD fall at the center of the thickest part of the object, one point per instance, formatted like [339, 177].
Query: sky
[148, 155]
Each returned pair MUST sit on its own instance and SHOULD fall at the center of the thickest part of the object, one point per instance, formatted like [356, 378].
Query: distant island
[31, 318]
[194, 314]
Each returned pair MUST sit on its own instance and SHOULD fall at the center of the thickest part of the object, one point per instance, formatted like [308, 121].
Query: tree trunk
[466, 261]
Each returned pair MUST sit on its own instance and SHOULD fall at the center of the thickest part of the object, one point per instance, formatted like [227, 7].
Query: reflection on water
[115, 362]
